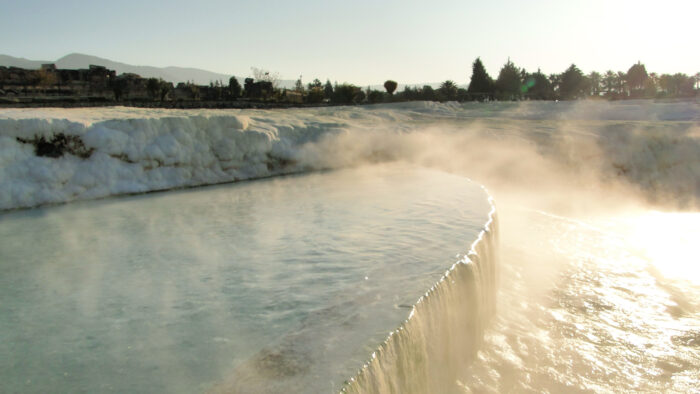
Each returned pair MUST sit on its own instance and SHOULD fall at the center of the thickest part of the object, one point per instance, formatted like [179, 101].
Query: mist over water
[284, 284]
[599, 273]
[598, 217]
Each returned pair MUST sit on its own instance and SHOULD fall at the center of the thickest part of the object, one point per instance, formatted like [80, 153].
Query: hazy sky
[360, 41]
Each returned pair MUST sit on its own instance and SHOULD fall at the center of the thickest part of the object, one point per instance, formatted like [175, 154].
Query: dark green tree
[215, 91]
[677, 85]
[315, 92]
[157, 88]
[594, 83]
[315, 84]
[120, 87]
[651, 85]
[195, 93]
[328, 90]
[481, 83]
[666, 84]
[508, 83]
[555, 82]
[390, 86]
[620, 83]
[153, 88]
[165, 89]
[314, 95]
[683, 85]
[537, 86]
[248, 86]
[573, 83]
[462, 95]
[409, 94]
[375, 96]
[234, 88]
[360, 96]
[609, 82]
[428, 93]
[636, 77]
[347, 94]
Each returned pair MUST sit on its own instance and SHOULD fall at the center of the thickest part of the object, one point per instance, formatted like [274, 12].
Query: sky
[360, 41]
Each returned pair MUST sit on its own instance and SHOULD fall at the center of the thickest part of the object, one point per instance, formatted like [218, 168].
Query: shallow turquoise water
[184, 291]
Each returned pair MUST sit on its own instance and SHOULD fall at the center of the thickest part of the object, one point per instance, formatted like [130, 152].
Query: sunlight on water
[670, 241]
[604, 305]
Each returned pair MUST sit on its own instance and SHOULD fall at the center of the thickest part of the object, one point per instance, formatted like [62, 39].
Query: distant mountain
[9, 61]
[77, 60]
[171, 74]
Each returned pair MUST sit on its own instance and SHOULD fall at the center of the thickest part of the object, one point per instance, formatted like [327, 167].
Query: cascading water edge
[444, 329]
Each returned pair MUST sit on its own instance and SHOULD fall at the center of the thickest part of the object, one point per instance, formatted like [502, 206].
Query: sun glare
[670, 241]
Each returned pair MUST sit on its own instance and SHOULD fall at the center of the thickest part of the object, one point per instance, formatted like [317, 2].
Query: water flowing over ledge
[280, 285]
[441, 335]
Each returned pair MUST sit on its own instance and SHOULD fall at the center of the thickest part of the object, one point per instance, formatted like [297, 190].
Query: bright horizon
[360, 42]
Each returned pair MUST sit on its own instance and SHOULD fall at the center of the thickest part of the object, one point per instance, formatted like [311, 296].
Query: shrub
[58, 145]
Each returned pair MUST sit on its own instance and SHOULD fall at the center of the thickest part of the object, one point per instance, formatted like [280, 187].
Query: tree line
[515, 83]
[512, 83]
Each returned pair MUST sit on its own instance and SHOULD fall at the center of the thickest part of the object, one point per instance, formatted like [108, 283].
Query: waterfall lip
[487, 228]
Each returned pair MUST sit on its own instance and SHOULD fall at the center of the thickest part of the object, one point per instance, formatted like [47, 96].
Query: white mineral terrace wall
[110, 151]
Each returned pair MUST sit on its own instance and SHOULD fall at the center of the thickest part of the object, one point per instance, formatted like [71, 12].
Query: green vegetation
[572, 83]
[448, 91]
[234, 88]
[158, 89]
[390, 86]
[315, 92]
[347, 94]
[509, 81]
[481, 86]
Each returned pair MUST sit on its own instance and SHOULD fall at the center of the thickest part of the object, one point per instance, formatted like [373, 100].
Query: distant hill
[77, 60]
[170, 74]
[9, 61]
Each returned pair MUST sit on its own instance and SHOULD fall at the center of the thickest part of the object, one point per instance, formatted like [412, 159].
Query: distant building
[292, 96]
[257, 90]
[96, 81]
[186, 91]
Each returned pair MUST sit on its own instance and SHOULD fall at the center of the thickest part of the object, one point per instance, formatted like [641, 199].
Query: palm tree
[594, 79]
[555, 81]
[448, 90]
[620, 80]
[666, 84]
[651, 85]
[609, 82]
